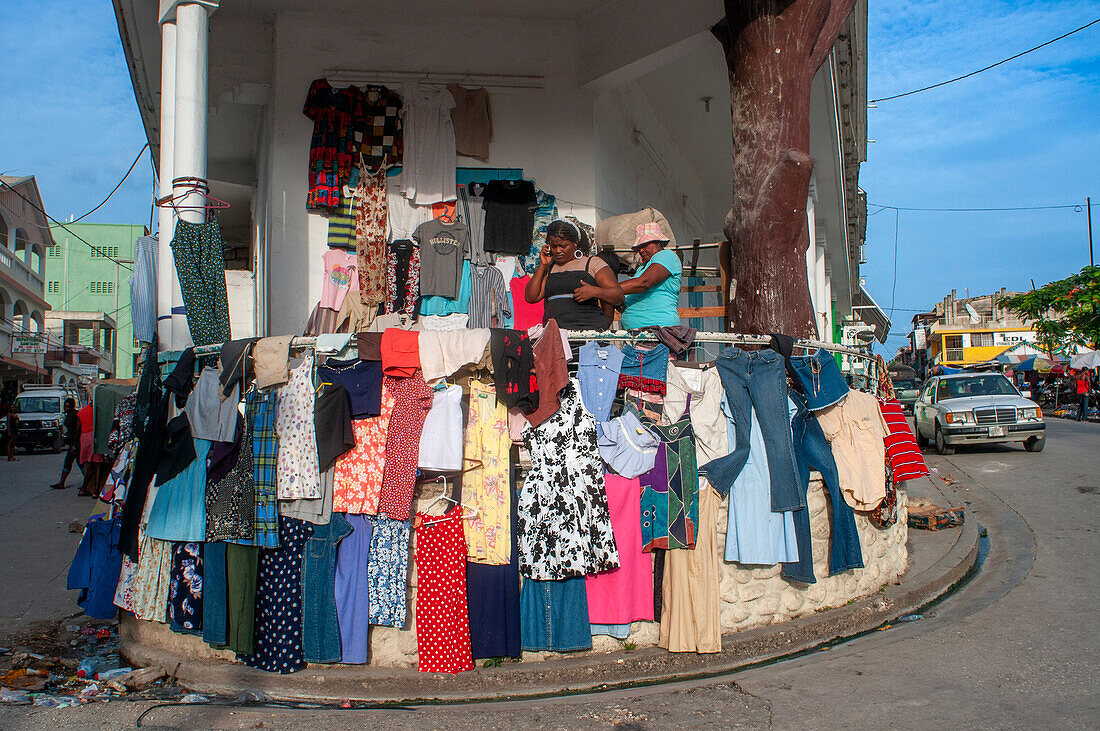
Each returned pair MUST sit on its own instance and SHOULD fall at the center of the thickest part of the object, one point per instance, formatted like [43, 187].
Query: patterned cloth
[388, 570]
[330, 149]
[277, 635]
[377, 126]
[200, 266]
[546, 212]
[670, 508]
[298, 475]
[442, 619]
[341, 223]
[370, 237]
[185, 587]
[413, 401]
[260, 412]
[489, 533]
[148, 587]
[906, 461]
[402, 278]
[488, 297]
[322, 320]
[231, 501]
[359, 471]
[564, 523]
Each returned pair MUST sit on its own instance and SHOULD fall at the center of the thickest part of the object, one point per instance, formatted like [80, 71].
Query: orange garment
[446, 208]
[357, 478]
[400, 352]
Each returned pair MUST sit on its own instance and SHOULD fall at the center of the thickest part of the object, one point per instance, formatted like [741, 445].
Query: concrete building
[610, 107]
[24, 239]
[89, 276]
[963, 332]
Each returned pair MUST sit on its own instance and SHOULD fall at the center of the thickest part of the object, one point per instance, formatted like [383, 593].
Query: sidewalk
[938, 561]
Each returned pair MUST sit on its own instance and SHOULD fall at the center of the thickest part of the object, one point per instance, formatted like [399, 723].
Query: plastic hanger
[445, 497]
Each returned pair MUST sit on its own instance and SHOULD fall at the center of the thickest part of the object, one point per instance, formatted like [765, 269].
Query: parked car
[976, 408]
[41, 417]
[907, 390]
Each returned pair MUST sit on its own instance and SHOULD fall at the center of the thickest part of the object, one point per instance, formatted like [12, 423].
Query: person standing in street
[12, 431]
[72, 436]
[1082, 379]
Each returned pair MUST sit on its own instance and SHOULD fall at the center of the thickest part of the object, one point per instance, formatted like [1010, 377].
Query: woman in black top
[580, 291]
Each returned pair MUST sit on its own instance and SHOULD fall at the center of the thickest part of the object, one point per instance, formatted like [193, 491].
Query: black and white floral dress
[564, 523]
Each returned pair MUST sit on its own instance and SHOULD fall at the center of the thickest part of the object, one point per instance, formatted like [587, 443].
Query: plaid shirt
[260, 412]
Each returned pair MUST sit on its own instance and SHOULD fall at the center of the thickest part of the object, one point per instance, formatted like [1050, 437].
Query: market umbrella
[1088, 359]
[1025, 365]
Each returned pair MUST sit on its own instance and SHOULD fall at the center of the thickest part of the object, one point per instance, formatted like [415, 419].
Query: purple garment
[223, 457]
[352, 606]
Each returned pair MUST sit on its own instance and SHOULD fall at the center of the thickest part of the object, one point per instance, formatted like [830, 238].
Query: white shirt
[430, 159]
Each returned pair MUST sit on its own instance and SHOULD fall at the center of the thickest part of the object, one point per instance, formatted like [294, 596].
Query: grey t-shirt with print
[442, 248]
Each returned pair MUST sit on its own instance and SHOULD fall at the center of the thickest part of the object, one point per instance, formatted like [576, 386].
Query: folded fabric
[234, 364]
[906, 460]
[820, 378]
[678, 338]
[332, 342]
[644, 370]
[550, 372]
[370, 346]
[443, 353]
[400, 352]
[362, 380]
[440, 323]
[627, 446]
[269, 358]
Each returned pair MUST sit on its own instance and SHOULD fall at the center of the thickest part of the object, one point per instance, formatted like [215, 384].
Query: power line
[883, 206]
[130, 170]
[32, 204]
[987, 68]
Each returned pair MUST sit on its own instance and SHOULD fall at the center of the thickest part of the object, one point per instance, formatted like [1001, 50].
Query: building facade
[606, 106]
[24, 239]
[85, 281]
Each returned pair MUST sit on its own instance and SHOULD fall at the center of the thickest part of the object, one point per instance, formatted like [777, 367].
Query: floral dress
[298, 475]
[370, 236]
[489, 533]
[564, 522]
[185, 587]
[387, 571]
[358, 472]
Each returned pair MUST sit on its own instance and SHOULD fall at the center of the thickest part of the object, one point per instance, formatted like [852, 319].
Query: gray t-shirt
[442, 248]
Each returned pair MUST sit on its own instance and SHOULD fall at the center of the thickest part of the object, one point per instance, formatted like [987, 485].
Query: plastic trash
[911, 618]
[113, 673]
[19, 697]
[87, 667]
[194, 698]
[90, 691]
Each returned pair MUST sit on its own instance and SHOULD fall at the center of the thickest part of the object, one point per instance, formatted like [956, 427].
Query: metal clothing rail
[306, 341]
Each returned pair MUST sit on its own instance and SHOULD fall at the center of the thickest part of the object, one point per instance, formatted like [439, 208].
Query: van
[41, 417]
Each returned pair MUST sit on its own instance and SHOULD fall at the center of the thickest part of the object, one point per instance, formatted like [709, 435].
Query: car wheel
[1035, 444]
[921, 441]
[942, 447]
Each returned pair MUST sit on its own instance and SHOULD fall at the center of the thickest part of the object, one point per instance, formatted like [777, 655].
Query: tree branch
[838, 13]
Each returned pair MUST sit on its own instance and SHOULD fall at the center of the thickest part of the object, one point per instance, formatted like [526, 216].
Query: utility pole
[1088, 208]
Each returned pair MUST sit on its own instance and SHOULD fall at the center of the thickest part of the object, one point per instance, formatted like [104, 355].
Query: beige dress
[857, 432]
[690, 603]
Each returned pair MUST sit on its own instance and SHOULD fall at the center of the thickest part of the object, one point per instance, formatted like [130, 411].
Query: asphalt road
[1016, 648]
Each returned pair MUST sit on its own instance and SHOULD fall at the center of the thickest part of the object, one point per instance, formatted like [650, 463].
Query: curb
[587, 674]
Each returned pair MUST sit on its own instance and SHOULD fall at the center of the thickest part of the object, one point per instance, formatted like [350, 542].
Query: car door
[923, 410]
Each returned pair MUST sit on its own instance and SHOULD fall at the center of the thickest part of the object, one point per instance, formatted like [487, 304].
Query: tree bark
[773, 49]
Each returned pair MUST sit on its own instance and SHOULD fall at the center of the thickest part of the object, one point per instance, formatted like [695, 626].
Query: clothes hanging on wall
[370, 237]
[428, 171]
[442, 619]
[509, 216]
[472, 120]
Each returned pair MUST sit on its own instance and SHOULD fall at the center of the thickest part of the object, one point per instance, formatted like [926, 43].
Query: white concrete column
[811, 262]
[166, 271]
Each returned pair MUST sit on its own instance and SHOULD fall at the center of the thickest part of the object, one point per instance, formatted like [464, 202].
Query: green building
[96, 278]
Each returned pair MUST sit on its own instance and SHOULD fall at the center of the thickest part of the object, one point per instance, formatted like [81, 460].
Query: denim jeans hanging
[320, 627]
[758, 381]
[813, 452]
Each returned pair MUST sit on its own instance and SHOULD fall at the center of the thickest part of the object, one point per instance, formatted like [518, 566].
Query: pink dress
[526, 314]
[625, 594]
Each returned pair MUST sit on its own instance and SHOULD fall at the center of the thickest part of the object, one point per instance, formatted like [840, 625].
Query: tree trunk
[773, 49]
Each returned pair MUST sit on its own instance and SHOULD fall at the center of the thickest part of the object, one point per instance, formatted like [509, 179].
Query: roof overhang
[867, 310]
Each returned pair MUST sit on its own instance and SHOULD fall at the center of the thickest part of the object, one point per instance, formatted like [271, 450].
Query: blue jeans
[758, 380]
[554, 615]
[813, 452]
[215, 598]
[320, 627]
[822, 382]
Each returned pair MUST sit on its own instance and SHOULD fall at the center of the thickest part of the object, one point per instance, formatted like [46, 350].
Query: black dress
[560, 305]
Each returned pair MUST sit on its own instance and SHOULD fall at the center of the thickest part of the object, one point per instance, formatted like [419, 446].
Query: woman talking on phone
[579, 290]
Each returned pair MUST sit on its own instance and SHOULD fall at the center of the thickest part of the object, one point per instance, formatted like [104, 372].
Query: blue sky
[1026, 133]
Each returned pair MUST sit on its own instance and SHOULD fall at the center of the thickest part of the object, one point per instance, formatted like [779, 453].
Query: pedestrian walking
[1083, 385]
[72, 438]
[12, 431]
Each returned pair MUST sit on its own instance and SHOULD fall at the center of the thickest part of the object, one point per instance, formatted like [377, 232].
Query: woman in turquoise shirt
[653, 294]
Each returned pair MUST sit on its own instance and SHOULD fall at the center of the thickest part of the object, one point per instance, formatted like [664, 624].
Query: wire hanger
[191, 185]
[445, 497]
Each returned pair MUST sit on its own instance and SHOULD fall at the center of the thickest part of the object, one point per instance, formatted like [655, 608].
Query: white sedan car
[976, 408]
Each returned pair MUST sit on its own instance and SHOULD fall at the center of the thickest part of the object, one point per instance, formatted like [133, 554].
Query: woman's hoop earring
[577, 254]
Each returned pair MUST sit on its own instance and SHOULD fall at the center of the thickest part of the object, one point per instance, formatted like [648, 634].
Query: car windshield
[993, 385]
[905, 384]
[38, 404]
